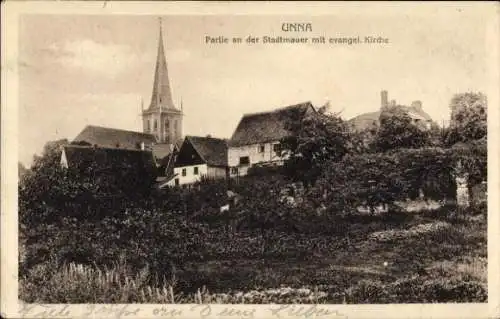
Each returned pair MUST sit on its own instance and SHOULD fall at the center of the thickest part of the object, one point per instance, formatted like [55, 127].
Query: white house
[257, 137]
[200, 157]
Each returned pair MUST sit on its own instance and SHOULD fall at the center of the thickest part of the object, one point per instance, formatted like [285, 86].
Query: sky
[76, 70]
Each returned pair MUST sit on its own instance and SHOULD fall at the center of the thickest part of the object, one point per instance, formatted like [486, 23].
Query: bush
[384, 178]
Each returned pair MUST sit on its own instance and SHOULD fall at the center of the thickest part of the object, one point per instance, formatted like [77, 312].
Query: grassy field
[426, 257]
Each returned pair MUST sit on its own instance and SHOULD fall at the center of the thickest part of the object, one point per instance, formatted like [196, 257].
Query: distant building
[200, 157]
[371, 120]
[257, 137]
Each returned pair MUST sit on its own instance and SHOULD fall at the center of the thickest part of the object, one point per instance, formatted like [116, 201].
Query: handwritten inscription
[114, 311]
[295, 311]
[202, 311]
[205, 311]
[99, 311]
[44, 311]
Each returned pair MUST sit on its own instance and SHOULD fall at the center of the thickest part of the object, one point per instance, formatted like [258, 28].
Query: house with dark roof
[134, 167]
[112, 138]
[200, 157]
[371, 119]
[256, 140]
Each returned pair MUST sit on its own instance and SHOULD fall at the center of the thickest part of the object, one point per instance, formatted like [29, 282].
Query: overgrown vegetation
[113, 239]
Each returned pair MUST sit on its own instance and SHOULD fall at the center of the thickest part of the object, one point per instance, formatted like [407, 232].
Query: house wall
[203, 171]
[254, 154]
[190, 176]
[216, 172]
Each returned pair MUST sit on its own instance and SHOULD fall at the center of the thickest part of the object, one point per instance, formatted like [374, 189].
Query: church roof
[212, 150]
[161, 96]
[113, 138]
[266, 126]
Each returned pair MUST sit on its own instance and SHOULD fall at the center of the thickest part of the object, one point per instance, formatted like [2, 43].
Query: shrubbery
[70, 217]
[384, 178]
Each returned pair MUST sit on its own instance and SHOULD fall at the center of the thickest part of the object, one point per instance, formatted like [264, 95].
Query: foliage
[317, 139]
[384, 178]
[437, 266]
[468, 118]
[48, 192]
[398, 131]
[268, 212]
[66, 219]
[417, 290]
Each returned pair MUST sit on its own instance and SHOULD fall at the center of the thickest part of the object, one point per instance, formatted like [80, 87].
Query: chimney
[417, 105]
[384, 98]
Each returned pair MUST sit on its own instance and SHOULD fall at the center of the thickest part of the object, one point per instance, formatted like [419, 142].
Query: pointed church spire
[162, 96]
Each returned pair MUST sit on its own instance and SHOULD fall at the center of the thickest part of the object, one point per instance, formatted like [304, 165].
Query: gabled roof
[266, 126]
[105, 159]
[212, 150]
[113, 138]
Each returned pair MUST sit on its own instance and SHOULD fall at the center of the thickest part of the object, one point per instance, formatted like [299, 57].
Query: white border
[9, 128]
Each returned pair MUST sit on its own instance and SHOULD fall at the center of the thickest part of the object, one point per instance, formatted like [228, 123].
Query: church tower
[162, 119]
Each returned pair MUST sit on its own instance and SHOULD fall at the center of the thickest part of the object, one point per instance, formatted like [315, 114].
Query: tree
[398, 131]
[468, 118]
[40, 187]
[316, 139]
[262, 209]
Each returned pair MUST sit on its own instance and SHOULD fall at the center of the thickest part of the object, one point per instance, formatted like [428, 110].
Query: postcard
[250, 160]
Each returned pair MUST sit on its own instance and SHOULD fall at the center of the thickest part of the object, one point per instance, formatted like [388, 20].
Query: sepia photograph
[215, 158]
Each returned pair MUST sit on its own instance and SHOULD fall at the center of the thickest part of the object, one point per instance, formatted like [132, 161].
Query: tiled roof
[212, 150]
[113, 138]
[266, 126]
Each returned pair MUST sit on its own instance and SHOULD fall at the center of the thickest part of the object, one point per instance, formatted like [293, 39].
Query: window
[167, 125]
[175, 126]
[195, 170]
[234, 170]
[261, 148]
[183, 172]
[176, 182]
[245, 160]
[148, 126]
[155, 126]
[277, 149]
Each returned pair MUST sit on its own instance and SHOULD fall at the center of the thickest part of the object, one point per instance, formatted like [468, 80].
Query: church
[161, 132]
